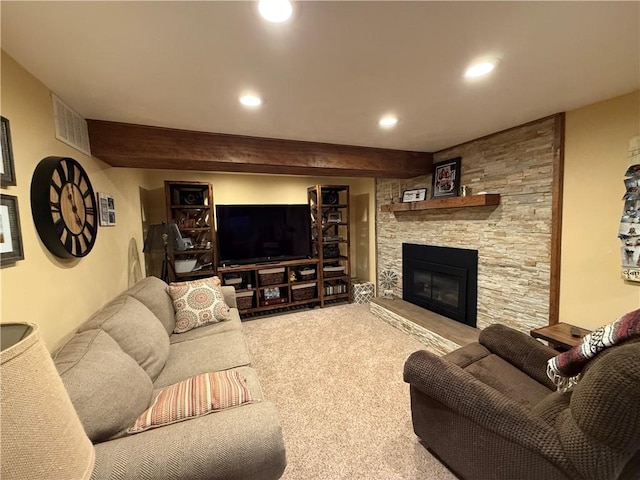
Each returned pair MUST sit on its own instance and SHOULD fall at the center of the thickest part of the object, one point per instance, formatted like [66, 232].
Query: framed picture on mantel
[415, 195]
[446, 178]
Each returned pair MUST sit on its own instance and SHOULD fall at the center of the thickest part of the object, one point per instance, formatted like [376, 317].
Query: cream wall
[249, 188]
[592, 293]
[59, 294]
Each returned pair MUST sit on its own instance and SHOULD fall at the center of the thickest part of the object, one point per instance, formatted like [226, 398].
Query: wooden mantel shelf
[486, 199]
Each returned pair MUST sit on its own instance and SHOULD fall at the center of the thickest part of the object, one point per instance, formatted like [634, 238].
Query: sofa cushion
[152, 293]
[197, 303]
[605, 401]
[237, 443]
[229, 296]
[107, 387]
[192, 397]
[208, 354]
[599, 432]
[212, 329]
[551, 406]
[136, 329]
[508, 380]
[465, 356]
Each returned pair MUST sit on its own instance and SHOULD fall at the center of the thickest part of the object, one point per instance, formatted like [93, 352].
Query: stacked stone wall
[513, 240]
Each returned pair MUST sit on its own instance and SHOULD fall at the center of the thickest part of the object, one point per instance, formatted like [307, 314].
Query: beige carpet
[336, 376]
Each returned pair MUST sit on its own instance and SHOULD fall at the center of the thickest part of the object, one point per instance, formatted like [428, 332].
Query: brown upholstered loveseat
[488, 411]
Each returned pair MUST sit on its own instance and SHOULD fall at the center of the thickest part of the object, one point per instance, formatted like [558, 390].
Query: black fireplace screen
[441, 279]
[441, 288]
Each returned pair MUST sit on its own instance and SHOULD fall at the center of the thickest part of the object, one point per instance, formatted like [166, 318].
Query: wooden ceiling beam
[139, 146]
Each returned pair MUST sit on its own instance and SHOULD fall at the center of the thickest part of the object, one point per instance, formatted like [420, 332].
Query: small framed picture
[415, 195]
[334, 217]
[446, 178]
[271, 293]
[7, 167]
[107, 210]
[630, 256]
[184, 243]
[10, 234]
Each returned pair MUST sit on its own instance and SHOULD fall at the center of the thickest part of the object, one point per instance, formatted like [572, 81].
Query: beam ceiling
[139, 146]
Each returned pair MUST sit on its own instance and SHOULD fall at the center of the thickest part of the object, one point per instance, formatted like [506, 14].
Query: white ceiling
[331, 72]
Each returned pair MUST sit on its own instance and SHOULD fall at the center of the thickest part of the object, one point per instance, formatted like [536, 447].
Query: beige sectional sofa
[118, 360]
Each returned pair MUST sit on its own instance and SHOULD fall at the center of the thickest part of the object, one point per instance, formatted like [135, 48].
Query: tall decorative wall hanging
[629, 232]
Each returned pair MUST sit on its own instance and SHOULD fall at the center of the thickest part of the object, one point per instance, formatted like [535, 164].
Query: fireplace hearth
[441, 279]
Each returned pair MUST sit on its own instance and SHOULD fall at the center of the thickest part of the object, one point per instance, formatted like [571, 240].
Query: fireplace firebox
[441, 279]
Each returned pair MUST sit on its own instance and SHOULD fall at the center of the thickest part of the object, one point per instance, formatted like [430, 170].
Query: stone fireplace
[513, 240]
[441, 279]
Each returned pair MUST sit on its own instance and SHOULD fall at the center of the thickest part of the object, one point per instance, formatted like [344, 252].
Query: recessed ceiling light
[250, 101]
[481, 68]
[275, 11]
[388, 121]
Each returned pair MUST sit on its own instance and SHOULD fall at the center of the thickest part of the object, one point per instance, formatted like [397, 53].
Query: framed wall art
[10, 234]
[446, 178]
[107, 210]
[271, 293]
[334, 217]
[7, 167]
[415, 195]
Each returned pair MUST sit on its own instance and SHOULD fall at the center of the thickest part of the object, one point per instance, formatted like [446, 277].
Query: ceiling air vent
[71, 128]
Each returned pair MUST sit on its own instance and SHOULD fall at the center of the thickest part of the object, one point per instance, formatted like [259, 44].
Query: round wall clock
[64, 207]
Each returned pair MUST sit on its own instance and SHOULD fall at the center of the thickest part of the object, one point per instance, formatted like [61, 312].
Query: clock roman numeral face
[74, 203]
[72, 228]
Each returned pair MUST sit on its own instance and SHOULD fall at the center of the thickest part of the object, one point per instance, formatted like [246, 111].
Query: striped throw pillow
[195, 396]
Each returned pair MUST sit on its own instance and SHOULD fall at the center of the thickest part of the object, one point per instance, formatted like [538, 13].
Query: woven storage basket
[244, 300]
[329, 272]
[306, 275]
[234, 282]
[271, 276]
[303, 291]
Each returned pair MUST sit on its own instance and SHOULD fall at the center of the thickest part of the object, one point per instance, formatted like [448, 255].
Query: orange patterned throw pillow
[199, 395]
[197, 303]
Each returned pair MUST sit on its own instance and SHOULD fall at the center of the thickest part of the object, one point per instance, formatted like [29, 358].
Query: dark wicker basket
[303, 293]
[235, 282]
[244, 302]
[306, 275]
[333, 273]
[273, 278]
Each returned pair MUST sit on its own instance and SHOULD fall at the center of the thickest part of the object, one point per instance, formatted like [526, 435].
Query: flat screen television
[263, 233]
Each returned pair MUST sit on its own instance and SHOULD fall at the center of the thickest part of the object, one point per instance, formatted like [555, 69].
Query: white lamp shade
[41, 436]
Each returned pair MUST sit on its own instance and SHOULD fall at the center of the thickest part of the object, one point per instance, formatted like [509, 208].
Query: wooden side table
[559, 335]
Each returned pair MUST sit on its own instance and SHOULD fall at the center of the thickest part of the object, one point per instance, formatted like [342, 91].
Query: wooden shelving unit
[190, 206]
[294, 289]
[483, 200]
[331, 240]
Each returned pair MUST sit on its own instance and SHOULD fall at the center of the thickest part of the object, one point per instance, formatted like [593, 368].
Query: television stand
[272, 285]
